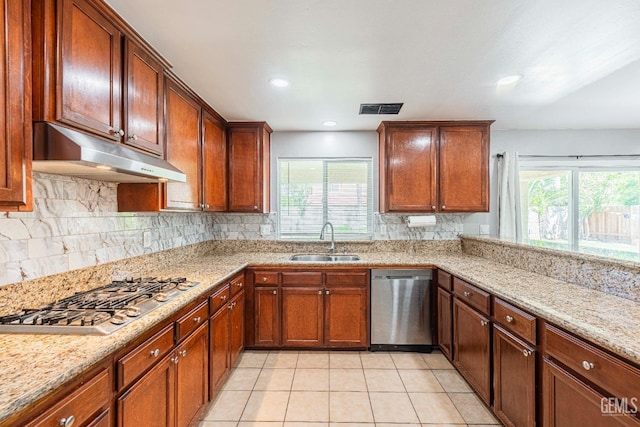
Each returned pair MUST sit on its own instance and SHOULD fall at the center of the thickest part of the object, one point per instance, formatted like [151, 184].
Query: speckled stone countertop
[606, 320]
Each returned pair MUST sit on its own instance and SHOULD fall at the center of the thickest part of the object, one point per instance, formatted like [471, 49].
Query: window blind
[313, 191]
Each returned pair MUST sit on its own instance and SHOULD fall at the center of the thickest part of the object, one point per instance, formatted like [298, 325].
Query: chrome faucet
[332, 248]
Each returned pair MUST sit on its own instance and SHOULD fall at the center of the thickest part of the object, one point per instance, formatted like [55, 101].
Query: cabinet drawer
[608, 372]
[217, 300]
[515, 320]
[83, 404]
[237, 284]
[444, 280]
[313, 278]
[267, 278]
[471, 295]
[190, 321]
[348, 278]
[144, 356]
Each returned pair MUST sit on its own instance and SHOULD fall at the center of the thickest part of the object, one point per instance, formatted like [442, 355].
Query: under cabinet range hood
[62, 151]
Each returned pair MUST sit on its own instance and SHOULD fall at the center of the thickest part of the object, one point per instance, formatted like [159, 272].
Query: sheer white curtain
[509, 220]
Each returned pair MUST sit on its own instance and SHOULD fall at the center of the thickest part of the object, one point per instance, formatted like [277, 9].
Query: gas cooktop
[99, 311]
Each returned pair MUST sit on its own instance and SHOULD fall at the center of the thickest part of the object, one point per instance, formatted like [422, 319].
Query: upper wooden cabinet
[214, 163]
[15, 107]
[249, 148]
[80, 79]
[434, 166]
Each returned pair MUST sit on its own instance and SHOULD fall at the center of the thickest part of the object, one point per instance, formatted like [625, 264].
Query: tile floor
[345, 389]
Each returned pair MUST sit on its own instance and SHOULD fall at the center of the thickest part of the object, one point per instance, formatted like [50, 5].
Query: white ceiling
[579, 59]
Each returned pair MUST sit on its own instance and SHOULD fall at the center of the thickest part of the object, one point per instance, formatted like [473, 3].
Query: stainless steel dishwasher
[401, 310]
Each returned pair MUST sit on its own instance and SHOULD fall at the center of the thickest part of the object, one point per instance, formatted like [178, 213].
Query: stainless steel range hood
[63, 151]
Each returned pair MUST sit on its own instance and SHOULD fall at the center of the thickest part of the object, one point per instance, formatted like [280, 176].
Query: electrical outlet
[265, 230]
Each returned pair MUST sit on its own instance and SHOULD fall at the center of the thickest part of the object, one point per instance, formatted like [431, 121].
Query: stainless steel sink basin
[323, 258]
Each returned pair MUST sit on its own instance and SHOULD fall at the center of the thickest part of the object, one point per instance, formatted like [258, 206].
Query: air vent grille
[393, 108]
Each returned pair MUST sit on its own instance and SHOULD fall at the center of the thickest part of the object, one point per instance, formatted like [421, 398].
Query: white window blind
[313, 191]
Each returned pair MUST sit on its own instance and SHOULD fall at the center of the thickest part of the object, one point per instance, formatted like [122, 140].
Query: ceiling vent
[381, 108]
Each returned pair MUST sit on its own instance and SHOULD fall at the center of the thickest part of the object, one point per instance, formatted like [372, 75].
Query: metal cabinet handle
[197, 319]
[116, 134]
[207, 206]
[484, 322]
[526, 352]
[588, 365]
[275, 292]
[444, 207]
[67, 422]
[326, 292]
[239, 284]
[319, 292]
[255, 208]
[175, 360]
[183, 353]
[466, 294]
[223, 297]
[433, 207]
[133, 137]
[264, 279]
[509, 319]
[155, 353]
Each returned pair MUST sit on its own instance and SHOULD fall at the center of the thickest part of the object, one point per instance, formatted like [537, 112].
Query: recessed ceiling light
[278, 82]
[509, 80]
[329, 123]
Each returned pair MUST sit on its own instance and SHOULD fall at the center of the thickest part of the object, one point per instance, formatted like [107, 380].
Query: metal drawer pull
[588, 365]
[239, 284]
[197, 319]
[223, 297]
[183, 353]
[264, 279]
[484, 322]
[175, 360]
[509, 319]
[67, 422]
[526, 352]
[466, 294]
[155, 353]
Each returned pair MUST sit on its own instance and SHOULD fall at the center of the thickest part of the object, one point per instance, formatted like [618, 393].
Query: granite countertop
[609, 321]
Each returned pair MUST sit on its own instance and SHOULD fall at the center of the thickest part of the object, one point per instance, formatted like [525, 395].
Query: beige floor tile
[398, 425]
[383, 380]
[355, 425]
[242, 379]
[281, 359]
[259, 424]
[252, 359]
[437, 361]
[304, 424]
[377, 360]
[308, 360]
[345, 359]
[435, 408]
[228, 406]
[266, 406]
[451, 381]
[308, 406]
[350, 407]
[275, 379]
[217, 424]
[311, 380]
[393, 408]
[347, 380]
[409, 361]
[472, 409]
[420, 380]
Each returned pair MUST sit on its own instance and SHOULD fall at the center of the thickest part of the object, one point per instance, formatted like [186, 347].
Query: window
[313, 191]
[592, 211]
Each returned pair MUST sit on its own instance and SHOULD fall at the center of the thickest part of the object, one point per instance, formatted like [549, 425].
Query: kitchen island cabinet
[434, 166]
[15, 103]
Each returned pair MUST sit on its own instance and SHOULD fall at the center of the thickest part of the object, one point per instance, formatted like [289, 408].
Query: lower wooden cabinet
[302, 322]
[472, 353]
[236, 335]
[514, 379]
[192, 368]
[219, 349]
[445, 317]
[345, 317]
[267, 316]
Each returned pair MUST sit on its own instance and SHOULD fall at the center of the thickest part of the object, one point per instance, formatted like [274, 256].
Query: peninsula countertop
[32, 366]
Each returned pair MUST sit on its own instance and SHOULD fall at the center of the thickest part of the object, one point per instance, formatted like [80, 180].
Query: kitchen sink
[324, 258]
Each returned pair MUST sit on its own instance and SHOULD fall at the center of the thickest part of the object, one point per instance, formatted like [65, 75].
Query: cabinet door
[568, 402]
[183, 147]
[219, 349]
[472, 339]
[445, 317]
[410, 162]
[514, 379]
[191, 376]
[248, 169]
[302, 317]
[150, 401]
[214, 164]
[89, 70]
[143, 93]
[236, 319]
[15, 106]
[267, 317]
[345, 322]
[464, 169]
